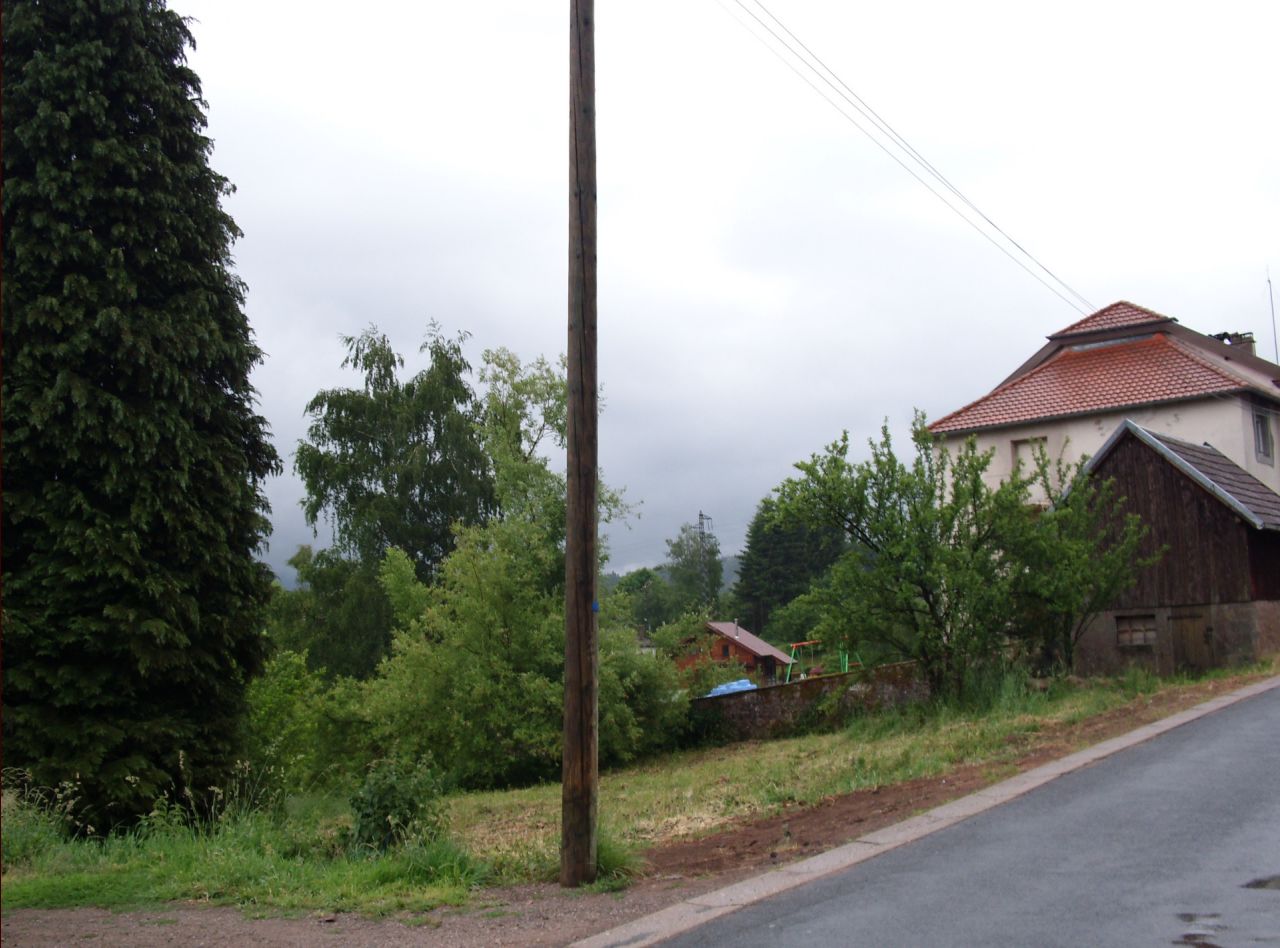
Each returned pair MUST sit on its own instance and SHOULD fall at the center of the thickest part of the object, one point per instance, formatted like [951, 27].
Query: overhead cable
[807, 58]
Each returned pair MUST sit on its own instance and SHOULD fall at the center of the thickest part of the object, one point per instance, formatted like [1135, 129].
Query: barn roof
[1251, 500]
[752, 643]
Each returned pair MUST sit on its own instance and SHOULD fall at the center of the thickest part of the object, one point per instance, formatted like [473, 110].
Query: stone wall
[780, 709]
[1268, 628]
[1197, 637]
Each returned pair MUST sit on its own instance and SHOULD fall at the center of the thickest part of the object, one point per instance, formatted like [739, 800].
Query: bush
[476, 673]
[280, 728]
[397, 804]
[305, 733]
[643, 709]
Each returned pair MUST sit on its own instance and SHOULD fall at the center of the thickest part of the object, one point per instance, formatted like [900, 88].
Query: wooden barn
[1213, 599]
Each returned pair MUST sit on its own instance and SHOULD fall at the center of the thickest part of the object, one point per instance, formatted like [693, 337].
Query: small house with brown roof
[1213, 598]
[729, 642]
[1129, 362]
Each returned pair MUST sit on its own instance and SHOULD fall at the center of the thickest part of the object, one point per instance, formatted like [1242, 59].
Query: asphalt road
[1173, 842]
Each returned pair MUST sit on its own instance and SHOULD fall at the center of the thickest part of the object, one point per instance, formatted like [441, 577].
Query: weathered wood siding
[1264, 564]
[1208, 548]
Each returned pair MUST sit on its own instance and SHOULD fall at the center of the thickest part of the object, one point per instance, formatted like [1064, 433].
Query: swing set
[796, 648]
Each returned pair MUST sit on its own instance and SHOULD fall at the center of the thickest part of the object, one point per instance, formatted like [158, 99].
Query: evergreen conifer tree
[133, 457]
[783, 557]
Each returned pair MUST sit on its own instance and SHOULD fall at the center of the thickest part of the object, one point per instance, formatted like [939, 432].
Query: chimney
[1240, 340]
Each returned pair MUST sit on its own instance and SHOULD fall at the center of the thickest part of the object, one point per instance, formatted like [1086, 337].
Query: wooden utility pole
[581, 650]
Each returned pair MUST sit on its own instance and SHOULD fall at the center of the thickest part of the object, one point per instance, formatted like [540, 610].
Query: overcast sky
[768, 276]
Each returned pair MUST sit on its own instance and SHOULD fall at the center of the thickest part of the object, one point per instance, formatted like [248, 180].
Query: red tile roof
[752, 643]
[1121, 315]
[1080, 380]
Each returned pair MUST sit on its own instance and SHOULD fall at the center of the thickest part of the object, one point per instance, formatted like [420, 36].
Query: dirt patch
[548, 915]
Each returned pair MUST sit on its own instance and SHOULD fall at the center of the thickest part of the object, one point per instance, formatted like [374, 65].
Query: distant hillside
[731, 565]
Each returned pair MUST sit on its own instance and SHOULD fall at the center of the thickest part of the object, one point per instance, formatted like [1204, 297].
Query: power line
[847, 94]
[906, 146]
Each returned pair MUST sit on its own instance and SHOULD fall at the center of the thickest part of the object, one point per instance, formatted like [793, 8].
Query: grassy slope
[292, 864]
[693, 793]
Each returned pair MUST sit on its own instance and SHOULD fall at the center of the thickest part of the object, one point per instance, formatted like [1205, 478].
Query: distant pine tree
[783, 557]
[133, 457]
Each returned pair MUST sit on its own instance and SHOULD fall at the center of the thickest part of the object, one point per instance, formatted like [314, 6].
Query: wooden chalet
[730, 642]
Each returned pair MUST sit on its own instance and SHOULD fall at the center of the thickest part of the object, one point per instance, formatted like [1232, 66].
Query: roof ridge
[1080, 328]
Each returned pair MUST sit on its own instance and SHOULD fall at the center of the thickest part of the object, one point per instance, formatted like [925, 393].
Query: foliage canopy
[784, 556]
[944, 569]
[338, 615]
[397, 463]
[694, 566]
[134, 459]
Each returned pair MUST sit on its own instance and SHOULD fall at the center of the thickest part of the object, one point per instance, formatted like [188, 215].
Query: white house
[1127, 362]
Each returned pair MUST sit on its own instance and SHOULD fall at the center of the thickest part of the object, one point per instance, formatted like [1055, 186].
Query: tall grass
[245, 857]
[298, 854]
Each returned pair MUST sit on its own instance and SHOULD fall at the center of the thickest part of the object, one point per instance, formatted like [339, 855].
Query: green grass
[249, 859]
[299, 858]
[697, 792]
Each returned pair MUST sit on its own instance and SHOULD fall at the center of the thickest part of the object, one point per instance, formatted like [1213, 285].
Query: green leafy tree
[523, 421]
[947, 571]
[784, 555]
[134, 459]
[476, 678]
[523, 415]
[338, 616]
[1082, 555]
[397, 463]
[651, 600]
[475, 675]
[929, 573]
[694, 566]
[472, 679]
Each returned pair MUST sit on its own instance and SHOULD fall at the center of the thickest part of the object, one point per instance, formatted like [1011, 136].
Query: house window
[724, 651]
[1024, 452]
[1135, 631]
[1263, 445]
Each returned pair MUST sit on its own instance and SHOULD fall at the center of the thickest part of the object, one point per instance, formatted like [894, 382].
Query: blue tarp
[729, 687]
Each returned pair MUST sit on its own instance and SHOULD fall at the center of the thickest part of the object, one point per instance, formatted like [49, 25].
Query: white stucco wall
[1226, 423]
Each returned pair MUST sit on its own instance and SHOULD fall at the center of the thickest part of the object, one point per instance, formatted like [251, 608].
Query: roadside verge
[700, 909]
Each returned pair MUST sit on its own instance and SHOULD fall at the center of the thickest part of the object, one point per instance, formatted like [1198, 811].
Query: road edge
[690, 913]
